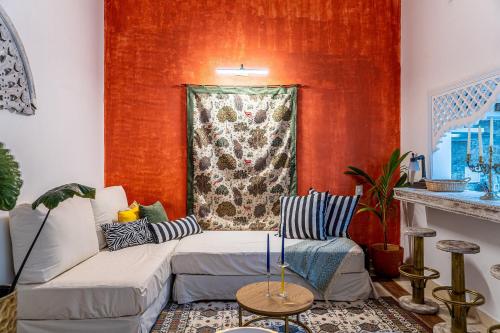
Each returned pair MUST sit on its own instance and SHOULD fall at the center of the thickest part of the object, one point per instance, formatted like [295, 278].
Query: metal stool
[455, 297]
[416, 273]
[495, 272]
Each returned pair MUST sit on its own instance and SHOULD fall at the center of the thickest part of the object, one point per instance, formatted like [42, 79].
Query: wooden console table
[464, 203]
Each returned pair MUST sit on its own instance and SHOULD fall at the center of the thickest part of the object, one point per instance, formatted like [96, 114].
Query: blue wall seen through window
[459, 169]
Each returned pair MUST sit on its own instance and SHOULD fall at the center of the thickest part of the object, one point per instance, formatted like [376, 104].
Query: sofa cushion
[339, 211]
[129, 215]
[110, 284]
[106, 205]
[183, 227]
[67, 239]
[240, 253]
[303, 217]
[121, 235]
[155, 212]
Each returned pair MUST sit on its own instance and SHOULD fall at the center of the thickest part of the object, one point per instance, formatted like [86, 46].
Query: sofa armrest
[6, 265]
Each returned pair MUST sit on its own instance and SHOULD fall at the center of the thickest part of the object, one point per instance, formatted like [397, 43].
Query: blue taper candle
[268, 256]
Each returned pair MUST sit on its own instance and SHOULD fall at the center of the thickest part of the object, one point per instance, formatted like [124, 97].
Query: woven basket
[8, 313]
[446, 185]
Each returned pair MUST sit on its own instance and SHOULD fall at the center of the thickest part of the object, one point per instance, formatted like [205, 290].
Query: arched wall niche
[462, 104]
[456, 109]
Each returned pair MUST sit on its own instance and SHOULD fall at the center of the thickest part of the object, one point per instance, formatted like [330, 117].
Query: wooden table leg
[240, 317]
[286, 325]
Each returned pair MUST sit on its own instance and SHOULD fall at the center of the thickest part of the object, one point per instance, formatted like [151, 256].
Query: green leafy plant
[10, 179]
[381, 190]
[51, 200]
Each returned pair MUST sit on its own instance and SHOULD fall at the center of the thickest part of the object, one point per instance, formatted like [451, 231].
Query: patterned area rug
[374, 315]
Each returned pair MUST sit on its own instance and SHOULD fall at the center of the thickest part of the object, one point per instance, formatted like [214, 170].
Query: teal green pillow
[155, 212]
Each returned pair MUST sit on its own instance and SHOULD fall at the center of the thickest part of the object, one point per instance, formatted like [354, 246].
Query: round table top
[420, 232]
[457, 246]
[253, 298]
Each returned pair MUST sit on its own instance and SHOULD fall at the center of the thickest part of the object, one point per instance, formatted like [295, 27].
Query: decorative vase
[386, 262]
[8, 310]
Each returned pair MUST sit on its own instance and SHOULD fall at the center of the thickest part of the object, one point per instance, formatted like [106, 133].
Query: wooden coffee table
[253, 298]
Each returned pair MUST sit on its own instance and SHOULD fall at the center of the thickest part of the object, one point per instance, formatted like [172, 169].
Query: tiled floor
[400, 287]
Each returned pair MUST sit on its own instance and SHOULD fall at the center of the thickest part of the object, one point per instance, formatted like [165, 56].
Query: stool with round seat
[495, 272]
[456, 297]
[416, 272]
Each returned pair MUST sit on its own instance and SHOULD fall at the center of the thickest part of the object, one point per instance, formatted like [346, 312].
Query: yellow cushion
[129, 215]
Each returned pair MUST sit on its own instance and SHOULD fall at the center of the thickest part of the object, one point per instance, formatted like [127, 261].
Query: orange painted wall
[345, 52]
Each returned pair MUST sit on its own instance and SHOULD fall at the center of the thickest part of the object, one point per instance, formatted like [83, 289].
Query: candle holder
[268, 275]
[486, 169]
[282, 292]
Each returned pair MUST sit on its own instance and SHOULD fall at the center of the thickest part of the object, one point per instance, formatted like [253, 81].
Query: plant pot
[386, 262]
[8, 310]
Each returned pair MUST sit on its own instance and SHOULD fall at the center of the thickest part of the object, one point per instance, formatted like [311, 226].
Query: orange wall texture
[344, 52]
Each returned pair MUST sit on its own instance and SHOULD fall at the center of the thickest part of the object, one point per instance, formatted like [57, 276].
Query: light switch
[359, 189]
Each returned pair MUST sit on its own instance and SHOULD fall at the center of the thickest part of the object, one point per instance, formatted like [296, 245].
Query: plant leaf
[10, 179]
[381, 193]
[360, 173]
[52, 198]
[402, 181]
[370, 210]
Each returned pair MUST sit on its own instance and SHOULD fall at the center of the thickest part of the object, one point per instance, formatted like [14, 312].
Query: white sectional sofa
[125, 290]
[122, 291]
[215, 264]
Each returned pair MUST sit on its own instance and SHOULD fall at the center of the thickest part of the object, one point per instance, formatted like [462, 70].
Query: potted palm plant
[386, 257]
[10, 187]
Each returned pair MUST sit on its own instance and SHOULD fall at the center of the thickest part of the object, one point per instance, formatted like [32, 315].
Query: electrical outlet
[359, 190]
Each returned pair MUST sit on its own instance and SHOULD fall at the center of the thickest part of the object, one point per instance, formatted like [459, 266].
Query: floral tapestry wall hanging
[241, 155]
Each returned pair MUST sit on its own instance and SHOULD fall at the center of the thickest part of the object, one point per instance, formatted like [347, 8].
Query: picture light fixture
[242, 71]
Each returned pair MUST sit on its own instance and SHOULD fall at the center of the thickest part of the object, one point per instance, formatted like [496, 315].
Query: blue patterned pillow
[303, 217]
[338, 213]
[121, 235]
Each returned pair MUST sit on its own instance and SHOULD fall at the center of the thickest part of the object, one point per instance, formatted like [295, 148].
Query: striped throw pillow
[303, 217]
[121, 235]
[168, 230]
[338, 213]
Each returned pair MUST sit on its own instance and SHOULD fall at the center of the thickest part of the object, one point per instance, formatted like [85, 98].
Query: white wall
[64, 141]
[444, 41]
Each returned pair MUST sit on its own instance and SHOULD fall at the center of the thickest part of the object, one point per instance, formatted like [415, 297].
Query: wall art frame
[17, 88]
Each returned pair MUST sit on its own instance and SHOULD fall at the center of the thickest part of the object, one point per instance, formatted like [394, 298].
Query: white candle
[491, 132]
[468, 142]
[480, 141]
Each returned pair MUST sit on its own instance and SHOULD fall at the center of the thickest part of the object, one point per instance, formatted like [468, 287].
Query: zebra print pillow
[165, 231]
[303, 217]
[121, 235]
[338, 213]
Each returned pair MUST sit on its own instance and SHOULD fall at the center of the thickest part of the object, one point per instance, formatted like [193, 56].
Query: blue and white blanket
[318, 261]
